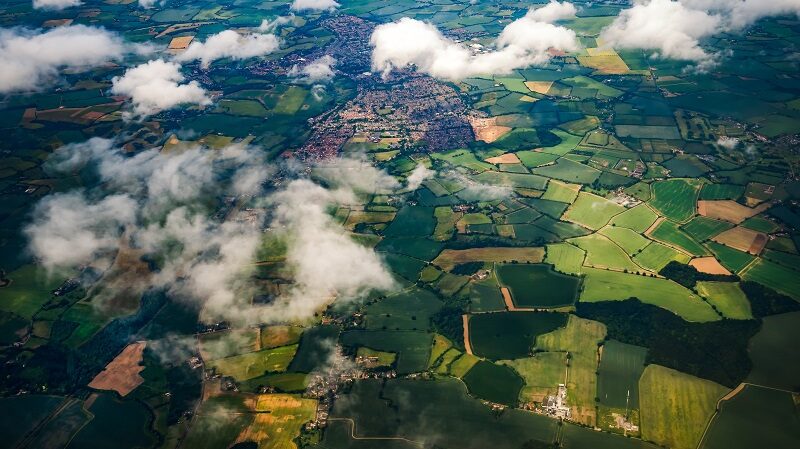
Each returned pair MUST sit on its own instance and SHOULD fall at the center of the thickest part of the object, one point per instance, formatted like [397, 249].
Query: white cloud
[55, 4]
[230, 44]
[147, 4]
[319, 70]
[269, 26]
[553, 11]
[316, 5]
[159, 199]
[728, 142]
[664, 26]
[356, 173]
[675, 28]
[522, 43]
[739, 14]
[418, 176]
[31, 59]
[324, 261]
[69, 229]
[155, 86]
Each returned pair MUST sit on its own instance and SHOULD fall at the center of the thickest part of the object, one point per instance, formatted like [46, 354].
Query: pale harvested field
[708, 265]
[743, 239]
[603, 63]
[508, 158]
[122, 374]
[728, 210]
[180, 43]
[487, 129]
[467, 345]
[449, 258]
[540, 87]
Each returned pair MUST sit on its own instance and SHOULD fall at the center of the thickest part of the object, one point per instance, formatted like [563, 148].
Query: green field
[638, 218]
[667, 232]
[412, 347]
[315, 347]
[537, 285]
[656, 256]
[755, 417]
[565, 258]
[602, 285]
[732, 259]
[541, 372]
[675, 407]
[510, 335]
[569, 171]
[419, 411]
[495, 383]
[408, 310]
[559, 191]
[775, 352]
[621, 366]
[254, 364]
[630, 241]
[675, 199]
[703, 228]
[592, 211]
[728, 299]
[601, 252]
[778, 277]
[580, 339]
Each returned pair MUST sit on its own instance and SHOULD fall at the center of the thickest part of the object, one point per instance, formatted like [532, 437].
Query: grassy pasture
[727, 297]
[602, 285]
[542, 373]
[495, 383]
[569, 171]
[29, 289]
[730, 258]
[580, 338]
[638, 218]
[778, 277]
[449, 258]
[565, 258]
[412, 221]
[592, 211]
[656, 256]
[675, 407]
[561, 191]
[408, 310]
[510, 335]
[254, 364]
[412, 347]
[675, 198]
[218, 345]
[721, 192]
[538, 285]
[630, 241]
[755, 417]
[601, 252]
[621, 366]
[419, 410]
[703, 228]
[461, 366]
[667, 232]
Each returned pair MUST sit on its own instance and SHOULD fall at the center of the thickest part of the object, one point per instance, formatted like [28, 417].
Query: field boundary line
[355, 437]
